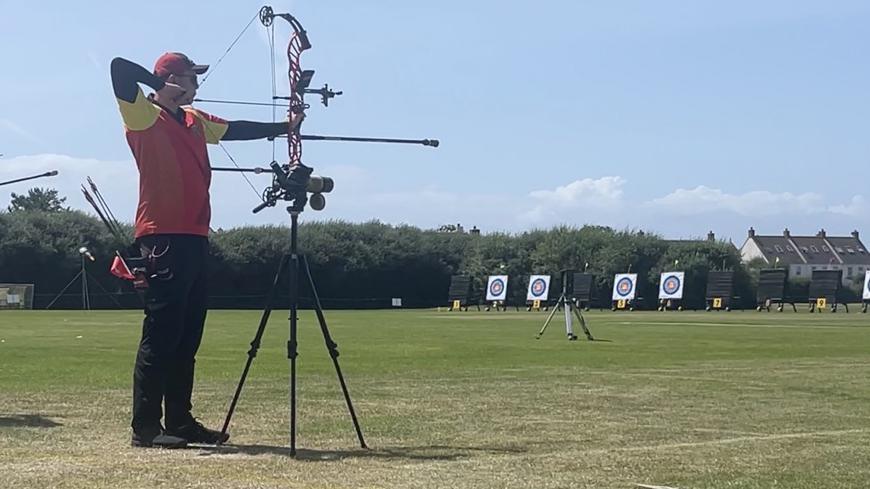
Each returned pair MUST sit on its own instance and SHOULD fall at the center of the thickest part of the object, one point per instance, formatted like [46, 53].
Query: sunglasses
[193, 79]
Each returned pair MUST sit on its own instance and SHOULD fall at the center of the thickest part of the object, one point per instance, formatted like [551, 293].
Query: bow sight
[293, 184]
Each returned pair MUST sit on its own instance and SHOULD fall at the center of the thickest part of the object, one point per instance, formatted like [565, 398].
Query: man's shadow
[421, 453]
[27, 421]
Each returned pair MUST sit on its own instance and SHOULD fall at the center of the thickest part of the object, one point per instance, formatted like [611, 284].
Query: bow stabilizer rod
[46, 174]
[352, 139]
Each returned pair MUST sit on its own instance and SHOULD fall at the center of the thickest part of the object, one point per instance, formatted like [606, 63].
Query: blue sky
[673, 117]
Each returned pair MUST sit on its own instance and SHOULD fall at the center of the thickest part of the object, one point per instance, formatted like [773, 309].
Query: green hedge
[362, 265]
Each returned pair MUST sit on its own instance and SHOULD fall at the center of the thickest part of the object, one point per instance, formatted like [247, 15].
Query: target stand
[825, 287]
[773, 290]
[567, 303]
[624, 292]
[459, 294]
[671, 291]
[538, 293]
[497, 293]
[720, 291]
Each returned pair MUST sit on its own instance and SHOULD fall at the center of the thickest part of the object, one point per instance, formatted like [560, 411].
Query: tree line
[360, 265]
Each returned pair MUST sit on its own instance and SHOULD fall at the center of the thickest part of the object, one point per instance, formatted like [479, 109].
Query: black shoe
[156, 438]
[195, 432]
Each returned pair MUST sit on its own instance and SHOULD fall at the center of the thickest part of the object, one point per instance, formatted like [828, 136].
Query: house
[803, 254]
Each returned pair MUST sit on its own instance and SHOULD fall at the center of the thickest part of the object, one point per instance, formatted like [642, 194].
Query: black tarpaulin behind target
[826, 284]
[460, 288]
[720, 284]
[772, 284]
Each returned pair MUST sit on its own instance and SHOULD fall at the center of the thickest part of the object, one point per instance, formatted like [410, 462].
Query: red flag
[120, 270]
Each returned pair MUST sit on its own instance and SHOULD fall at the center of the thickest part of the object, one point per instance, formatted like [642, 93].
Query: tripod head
[293, 184]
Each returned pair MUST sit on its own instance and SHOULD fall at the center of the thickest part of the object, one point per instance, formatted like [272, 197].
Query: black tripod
[295, 260]
[86, 291]
[569, 307]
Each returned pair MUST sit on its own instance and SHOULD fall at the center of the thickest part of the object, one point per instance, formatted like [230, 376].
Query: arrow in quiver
[720, 290]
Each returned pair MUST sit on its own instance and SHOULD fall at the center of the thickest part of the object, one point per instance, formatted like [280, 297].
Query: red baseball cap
[177, 64]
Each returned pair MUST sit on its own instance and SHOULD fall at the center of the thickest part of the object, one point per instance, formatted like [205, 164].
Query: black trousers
[175, 310]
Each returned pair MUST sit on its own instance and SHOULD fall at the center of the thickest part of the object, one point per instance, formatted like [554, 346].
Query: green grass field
[471, 399]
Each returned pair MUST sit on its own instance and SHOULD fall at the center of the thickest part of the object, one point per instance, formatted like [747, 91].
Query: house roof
[850, 250]
[815, 250]
[812, 250]
[775, 247]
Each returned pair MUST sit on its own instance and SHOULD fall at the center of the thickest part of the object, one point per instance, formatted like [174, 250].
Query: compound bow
[294, 180]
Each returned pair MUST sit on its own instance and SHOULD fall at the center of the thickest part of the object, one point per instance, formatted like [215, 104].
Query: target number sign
[624, 286]
[671, 285]
[539, 288]
[496, 288]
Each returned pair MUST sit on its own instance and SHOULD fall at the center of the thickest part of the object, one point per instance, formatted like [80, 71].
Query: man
[168, 140]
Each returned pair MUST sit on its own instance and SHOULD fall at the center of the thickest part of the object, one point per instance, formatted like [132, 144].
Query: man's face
[190, 83]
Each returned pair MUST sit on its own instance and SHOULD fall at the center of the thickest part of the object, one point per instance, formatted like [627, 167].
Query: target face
[671, 286]
[496, 289]
[866, 296]
[624, 286]
[539, 286]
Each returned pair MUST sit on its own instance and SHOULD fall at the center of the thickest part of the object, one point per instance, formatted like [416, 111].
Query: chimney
[855, 234]
[786, 233]
[711, 236]
[821, 234]
[751, 232]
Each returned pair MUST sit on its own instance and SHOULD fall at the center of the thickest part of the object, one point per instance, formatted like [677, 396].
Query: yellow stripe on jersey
[214, 127]
[139, 115]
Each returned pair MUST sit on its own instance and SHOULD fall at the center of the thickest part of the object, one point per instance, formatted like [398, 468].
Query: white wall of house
[849, 271]
[750, 251]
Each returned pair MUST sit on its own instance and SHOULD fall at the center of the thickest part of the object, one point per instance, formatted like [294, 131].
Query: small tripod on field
[571, 310]
[296, 189]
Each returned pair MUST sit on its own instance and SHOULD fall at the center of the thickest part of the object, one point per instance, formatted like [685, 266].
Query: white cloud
[857, 207]
[601, 192]
[704, 200]
[602, 196]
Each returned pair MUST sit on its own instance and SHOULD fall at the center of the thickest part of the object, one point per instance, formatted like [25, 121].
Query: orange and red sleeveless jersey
[174, 170]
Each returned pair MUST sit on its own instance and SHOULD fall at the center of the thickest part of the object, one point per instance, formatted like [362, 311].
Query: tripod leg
[106, 291]
[583, 324]
[569, 327]
[255, 344]
[332, 347]
[63, 290]
[86, 296]
[546, 323]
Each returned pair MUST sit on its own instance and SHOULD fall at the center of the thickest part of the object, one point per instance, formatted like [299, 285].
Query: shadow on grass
[430, 453]
[27, 421]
